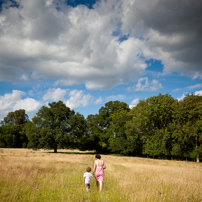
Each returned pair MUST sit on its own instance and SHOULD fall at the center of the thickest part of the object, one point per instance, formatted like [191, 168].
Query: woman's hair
[88, 169]
[97, 156]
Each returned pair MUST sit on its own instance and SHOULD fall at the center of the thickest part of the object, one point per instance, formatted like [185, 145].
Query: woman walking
[98, 171]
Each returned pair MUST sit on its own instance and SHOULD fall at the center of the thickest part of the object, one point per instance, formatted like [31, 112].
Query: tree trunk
[197, 156]
[55, 148]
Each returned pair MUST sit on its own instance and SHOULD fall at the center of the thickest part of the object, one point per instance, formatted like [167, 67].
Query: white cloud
[14, 101]
[29, 104]
[198, 93]
[19, 100]
[99, 100]
[77, 45]
[77, 99]
[134, 103]
[70, 45]
[171, 31]
[182, 97]
[189, 88]
[155, 85]
[9, 99]
[55, 94]
[144, 85]
[195, 86]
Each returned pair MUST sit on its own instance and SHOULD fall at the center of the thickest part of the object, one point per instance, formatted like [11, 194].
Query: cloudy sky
[89, 52]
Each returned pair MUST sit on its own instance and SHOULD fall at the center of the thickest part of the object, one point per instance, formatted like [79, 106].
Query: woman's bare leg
[97, 184]
[100, 186]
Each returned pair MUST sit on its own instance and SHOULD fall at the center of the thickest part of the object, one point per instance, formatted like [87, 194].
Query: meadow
[28, 175]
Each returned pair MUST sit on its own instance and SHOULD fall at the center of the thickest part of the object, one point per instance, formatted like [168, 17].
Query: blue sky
[87, 53]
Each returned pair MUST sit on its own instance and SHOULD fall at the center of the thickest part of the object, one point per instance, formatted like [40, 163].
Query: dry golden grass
[27, 175]
[159, 180]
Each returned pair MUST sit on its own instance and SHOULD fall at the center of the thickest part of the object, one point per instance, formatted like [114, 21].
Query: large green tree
[150, 122]
[53, 122]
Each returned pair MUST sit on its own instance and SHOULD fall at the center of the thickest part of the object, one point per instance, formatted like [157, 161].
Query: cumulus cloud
[28, 104]
[70, 45]
[171, 31]
[77, 99]
[55, 94]
[15, 101]
[20, 100]
[144, 85]
[51, 40]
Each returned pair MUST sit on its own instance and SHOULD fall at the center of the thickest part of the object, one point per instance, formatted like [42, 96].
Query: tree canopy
[158, 127]
[53, 123]
[12, 133]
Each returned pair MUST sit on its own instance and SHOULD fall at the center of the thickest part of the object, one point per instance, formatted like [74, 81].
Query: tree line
[158, 127]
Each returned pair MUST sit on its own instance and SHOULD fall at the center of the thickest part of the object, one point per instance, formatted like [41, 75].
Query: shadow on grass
[71, 152]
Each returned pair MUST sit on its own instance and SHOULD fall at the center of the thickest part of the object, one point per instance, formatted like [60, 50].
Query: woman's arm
[104, 166]
[94, 168]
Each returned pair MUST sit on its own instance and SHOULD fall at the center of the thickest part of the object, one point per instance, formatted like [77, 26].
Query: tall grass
[27, 175]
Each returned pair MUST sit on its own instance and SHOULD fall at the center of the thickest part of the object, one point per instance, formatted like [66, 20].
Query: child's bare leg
[87, 188]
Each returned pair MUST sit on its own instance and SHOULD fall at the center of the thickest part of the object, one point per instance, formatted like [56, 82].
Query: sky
[86, 53]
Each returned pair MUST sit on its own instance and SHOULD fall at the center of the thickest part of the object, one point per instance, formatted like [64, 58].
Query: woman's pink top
[99, 172]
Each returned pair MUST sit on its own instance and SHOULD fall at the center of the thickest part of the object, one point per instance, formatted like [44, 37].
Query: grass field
[27, 175]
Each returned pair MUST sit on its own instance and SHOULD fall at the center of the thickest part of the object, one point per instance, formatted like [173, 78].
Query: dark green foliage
[56, 126]
[53, 123]
[187, 128]
[78, 127]
[33, 135]
[118, 140]
[102, 128]
[150, 125]
[93, 133]
[12, 133]
[158, 127]
[169, 128]
[16, 118]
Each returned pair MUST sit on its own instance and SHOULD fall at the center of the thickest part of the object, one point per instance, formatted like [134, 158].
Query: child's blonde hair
[88, 169]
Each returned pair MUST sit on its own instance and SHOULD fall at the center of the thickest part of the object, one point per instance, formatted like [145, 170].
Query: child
[87, 178]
